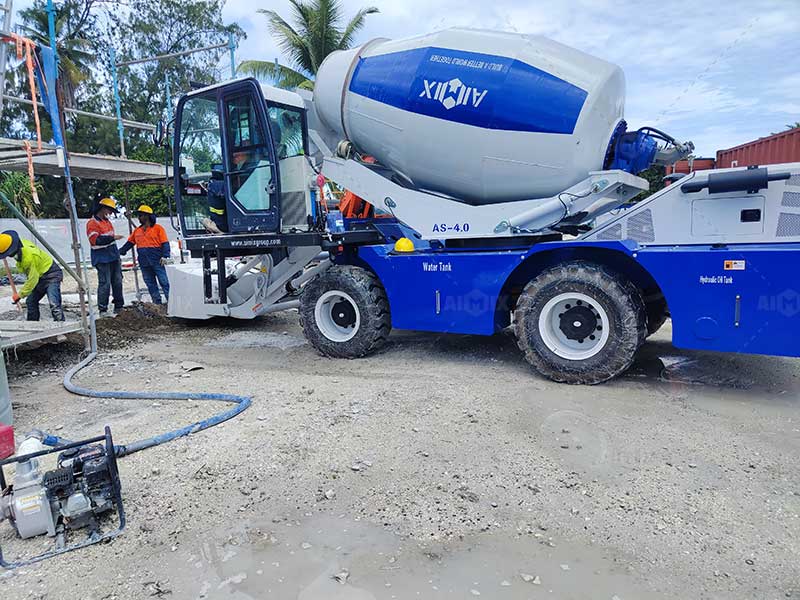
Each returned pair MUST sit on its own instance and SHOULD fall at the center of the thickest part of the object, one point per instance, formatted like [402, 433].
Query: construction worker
[105, 254]
[44, 275]
[218, 223]
[152, 244]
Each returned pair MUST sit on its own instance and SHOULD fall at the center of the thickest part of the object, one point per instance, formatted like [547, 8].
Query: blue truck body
[732, 298]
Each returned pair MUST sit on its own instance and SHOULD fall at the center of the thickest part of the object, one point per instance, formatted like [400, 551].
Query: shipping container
[687, 166]
[779, 148]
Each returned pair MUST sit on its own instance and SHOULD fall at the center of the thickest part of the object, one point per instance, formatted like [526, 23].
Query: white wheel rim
[337, 316]
[568, 316]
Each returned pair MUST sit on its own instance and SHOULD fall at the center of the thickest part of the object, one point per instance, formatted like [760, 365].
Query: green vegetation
[655, 176]
[315, 32]
[17, 188]
[85, 31]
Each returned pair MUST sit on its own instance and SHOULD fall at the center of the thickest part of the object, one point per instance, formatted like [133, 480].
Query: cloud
[680, 100]
[714, 72]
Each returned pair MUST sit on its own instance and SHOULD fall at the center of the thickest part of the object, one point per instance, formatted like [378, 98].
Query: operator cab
[241, 151]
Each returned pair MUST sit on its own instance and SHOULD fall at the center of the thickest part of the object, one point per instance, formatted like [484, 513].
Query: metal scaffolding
[55, 159]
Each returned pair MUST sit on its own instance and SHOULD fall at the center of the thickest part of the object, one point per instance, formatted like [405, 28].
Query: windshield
[202, 197]
[201, 145]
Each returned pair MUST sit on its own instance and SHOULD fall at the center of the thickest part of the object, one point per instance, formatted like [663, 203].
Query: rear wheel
[344, 312]
[580, 323]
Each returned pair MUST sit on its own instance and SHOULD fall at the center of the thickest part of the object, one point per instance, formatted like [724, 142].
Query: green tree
[75, 26]
[148, 29]
[136, 29]
[655, 177]
[315, 32]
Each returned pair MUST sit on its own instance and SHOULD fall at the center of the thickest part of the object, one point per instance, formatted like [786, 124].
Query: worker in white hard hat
[44, 276]
[105, 254]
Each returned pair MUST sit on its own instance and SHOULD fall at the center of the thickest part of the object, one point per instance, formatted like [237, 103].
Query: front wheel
[580, 323]
[344, 312]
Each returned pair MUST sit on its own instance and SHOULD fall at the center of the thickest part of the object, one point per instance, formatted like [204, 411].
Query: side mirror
[159, 134]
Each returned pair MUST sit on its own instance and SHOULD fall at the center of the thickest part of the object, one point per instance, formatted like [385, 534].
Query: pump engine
[83, 487]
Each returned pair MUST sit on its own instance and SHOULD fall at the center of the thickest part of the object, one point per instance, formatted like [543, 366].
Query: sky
[719, 73]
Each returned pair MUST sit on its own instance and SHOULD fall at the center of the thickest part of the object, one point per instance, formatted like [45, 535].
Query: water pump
[76, 495]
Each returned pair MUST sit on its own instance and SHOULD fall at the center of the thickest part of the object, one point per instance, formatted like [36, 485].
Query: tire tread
[373, 304]
[620, 290]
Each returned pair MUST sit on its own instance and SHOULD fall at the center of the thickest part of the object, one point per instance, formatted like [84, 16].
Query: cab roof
[271, 93]
[282, 96]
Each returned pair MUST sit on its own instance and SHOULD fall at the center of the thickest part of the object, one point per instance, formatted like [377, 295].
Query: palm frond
[354, 26]
[314, 31]
[282, 76]
[293, 43]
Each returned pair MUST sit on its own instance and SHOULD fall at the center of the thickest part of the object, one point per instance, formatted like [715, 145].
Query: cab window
[200, 153]
[286, 124]
[249, 167]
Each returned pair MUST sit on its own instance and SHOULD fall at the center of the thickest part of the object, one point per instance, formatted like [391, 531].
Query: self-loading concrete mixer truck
[487, 181]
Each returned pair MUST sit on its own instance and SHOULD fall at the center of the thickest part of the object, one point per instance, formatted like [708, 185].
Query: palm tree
[72, 24]
[315, 33]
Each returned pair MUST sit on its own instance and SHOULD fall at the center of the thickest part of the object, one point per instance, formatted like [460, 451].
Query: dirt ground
[442, 467]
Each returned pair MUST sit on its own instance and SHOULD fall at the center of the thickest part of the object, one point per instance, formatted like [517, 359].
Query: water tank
[482, 116]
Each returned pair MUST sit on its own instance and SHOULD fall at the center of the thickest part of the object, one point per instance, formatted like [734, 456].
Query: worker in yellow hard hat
[152, 245]
[44, 276]
[105, 254]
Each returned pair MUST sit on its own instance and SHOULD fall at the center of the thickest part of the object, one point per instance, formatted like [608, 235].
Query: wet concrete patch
[330, 558]
[257, 339]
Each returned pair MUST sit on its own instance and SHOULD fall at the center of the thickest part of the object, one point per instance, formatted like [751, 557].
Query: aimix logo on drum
[452, 93]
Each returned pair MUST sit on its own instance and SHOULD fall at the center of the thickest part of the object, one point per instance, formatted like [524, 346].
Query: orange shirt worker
[152, 245]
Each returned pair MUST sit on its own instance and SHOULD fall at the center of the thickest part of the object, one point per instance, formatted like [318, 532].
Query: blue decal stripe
[493, 92]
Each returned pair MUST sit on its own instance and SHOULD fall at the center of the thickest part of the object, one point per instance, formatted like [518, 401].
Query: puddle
[330, 558]
[257, 339]
[695, 372]
[690, 371]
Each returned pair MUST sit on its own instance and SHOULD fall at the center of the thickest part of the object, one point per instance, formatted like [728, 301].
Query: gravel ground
[441, 467]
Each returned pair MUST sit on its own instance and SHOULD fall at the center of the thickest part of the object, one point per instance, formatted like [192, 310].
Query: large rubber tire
[657, 312]
[619, 301]
[364, 299]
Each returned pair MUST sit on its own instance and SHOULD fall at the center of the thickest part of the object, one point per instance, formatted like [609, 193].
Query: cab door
[252, 180]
